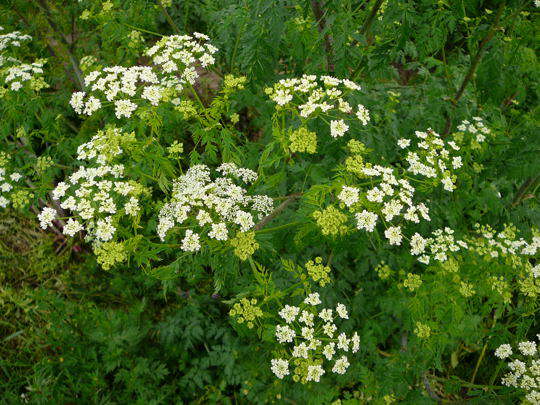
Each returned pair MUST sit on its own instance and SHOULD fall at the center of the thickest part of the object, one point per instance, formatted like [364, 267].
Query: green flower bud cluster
[175, 149]
[422, 330]
[43, 163]
[21, 198]
[383, 270]
[303, 140]
[187, 108]
[244, 245]
[318, 271]
[331, 221]
[412, 282]
[109, 254]
[246, 311]
[231, 83]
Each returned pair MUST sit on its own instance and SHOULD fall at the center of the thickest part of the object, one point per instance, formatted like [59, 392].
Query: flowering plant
[338, 205]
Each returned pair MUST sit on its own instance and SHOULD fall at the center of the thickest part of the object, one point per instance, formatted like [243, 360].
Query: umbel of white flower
[443, 243]
[389, 198]
[17, 72]
[174, 59]
[433, 157]
[312, 341]
[212, 208]
[309, 96]
[8, 185]
[98, 195]
[524, 371]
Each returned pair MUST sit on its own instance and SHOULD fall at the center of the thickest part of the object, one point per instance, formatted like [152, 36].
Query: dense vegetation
[284, 201]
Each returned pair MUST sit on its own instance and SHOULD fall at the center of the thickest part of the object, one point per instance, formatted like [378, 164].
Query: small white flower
[15, 176]
[341, 365]
[124, 108]
[326, 315]
[343, 342]
[280, 367]
[306, 317]
[366, 220]
[527, 348]
[132, 206]
[6, 187]
[314, 373]
[363, 114]
[355, 342]
[219, 231]
[284, 334]
[394, 235]
[72, 227]
[329, 329]
[348, 195]
[503, 351]
[289, 313]
[300, 351]
[190, 243]
[313, 299]
[342, 311]
[46, 217]
[403, 143]
[329, 350]
[338, 128]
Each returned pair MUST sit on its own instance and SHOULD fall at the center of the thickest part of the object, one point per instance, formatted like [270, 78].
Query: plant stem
[74, 63]
[168, 18]
[321, 25]
[276, 228]
[371, 17]
[478, 363]
[276, 212]
[474, 65]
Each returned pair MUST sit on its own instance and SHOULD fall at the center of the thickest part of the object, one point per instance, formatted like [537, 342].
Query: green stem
[276, 228]
[168, 17]
[142, 29]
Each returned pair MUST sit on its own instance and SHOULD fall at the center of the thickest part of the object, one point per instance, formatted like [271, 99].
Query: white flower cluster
[433, 158]
[525, 373]
[215, 206]
[8, 183]
[119, 85]
[489, 243]
[391, 199]
[476, 127]
[15, 38]
[15, 72]
[175, 58]
[312, 339]
[17, 75]
[178, 55]
[98, 195]
[311, 95]
[502, 243]
[438, 246]
[105, 145]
